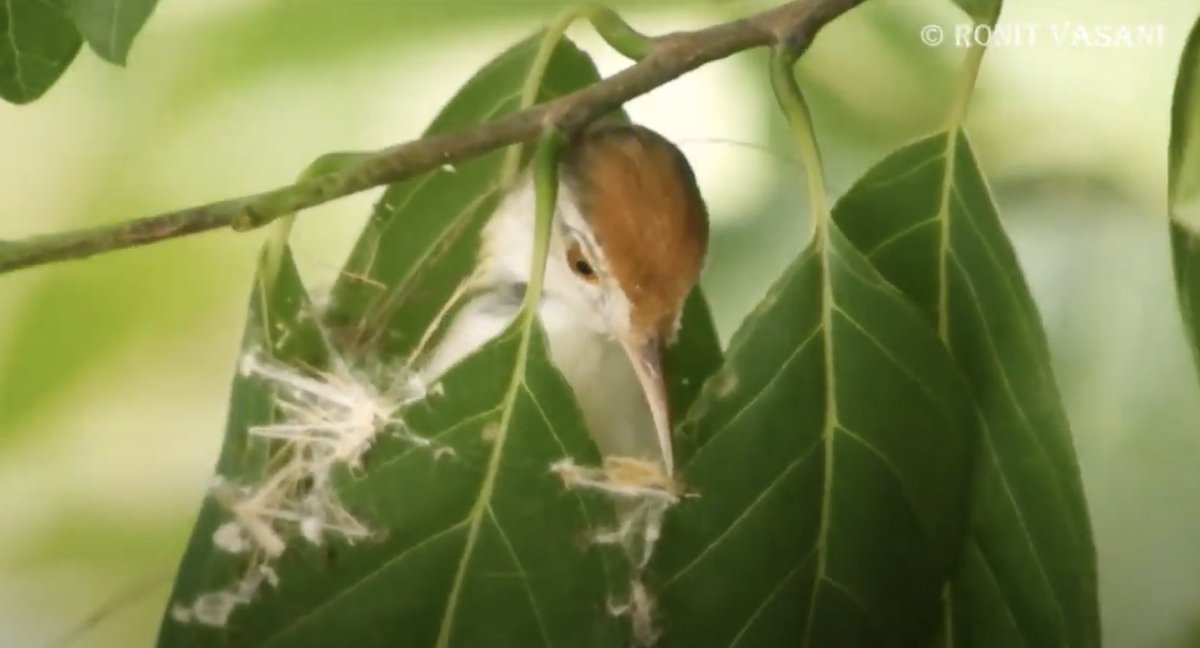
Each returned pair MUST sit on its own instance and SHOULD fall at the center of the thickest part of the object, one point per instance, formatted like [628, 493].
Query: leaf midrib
[112, 28]
[18, 73]
[830, 423]
[949, 191]
[475, 517]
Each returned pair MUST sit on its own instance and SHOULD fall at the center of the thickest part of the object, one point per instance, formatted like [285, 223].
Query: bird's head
[628, 246]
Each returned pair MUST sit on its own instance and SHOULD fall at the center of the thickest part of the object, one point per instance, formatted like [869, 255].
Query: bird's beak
[646, 357]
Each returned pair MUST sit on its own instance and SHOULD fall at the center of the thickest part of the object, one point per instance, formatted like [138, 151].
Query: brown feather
[640, 196]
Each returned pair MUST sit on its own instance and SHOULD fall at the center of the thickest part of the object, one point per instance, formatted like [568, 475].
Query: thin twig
[666, 58]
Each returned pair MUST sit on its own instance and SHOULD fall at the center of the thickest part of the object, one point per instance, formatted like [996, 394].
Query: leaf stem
[955, 120]
[555, 31]
[611, 27]
[619, 35]
[545, 184]
[799, 118]
[545, 178]
[972, 61]
[273, 248]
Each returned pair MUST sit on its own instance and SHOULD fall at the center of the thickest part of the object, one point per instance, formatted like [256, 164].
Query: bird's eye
[579, 264]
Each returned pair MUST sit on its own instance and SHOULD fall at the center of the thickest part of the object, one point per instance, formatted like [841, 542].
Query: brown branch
[668, 57]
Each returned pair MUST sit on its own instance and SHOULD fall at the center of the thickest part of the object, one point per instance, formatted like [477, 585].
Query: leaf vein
[18, 74]
[845, 591]
[288, 627]
[913, 170]
[899, 235]
[112, 29]
[474, 418]
[991, 572]
[788, 576]
[1010, 392]
[750, 508]
[990, 445]
[891, 467]
[523, 573]
[783, 366]
[828, 434]
[887, 353]
[1018, 298]
[583, 509]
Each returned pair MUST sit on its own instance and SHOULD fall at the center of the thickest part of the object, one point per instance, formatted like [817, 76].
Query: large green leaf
[833, 446]
[694, 356]
[109, 26]
[1183, 194]
[481, 547]
[37, 43]
[280, 321]
[925, 219]
[480, 543]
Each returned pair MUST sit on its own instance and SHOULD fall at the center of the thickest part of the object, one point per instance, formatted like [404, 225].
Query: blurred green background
[114, 371]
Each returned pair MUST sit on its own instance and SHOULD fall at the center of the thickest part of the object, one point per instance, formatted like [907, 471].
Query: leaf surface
[278, 321]
[832, 447]
[109, 26]
[1183, 193]
[478, 542]
[482, 546]
[925, 219]
[37, 43]
[690, 361]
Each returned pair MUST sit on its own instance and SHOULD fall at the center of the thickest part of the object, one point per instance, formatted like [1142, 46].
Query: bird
[628, 241]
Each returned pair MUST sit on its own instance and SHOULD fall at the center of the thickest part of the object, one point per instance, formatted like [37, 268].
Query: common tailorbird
[628, 240]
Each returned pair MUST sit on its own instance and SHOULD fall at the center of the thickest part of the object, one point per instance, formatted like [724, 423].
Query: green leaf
[280, 321]
[423, 237]
[925, 219]
[483, 547]
[690, 361]
[478, 541]
[833, 446]
[1183, 193]
[37, 43]
[109, 26]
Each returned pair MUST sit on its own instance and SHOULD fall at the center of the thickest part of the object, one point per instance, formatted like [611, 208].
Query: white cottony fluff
[641, 493]
[324, 421]
[214, 608]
